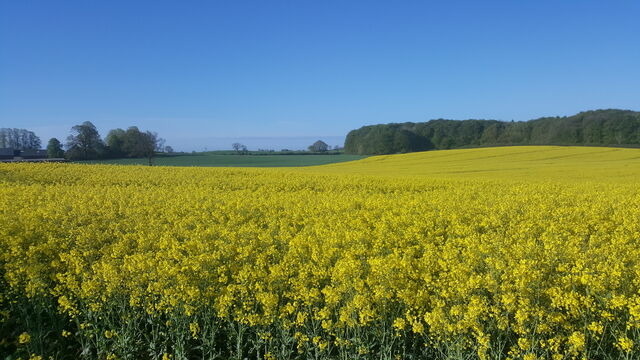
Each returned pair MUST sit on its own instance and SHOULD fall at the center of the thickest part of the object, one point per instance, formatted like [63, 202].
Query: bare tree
[160, 143]
[19, 139]
[239, 148]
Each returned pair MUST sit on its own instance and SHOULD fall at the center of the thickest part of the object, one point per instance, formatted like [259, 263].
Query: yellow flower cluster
[279, 263]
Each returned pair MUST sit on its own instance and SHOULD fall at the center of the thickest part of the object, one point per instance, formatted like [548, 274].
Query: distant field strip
[215, 160]
[519, 253]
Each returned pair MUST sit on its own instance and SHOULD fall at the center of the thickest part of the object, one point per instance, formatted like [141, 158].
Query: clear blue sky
[202, 73]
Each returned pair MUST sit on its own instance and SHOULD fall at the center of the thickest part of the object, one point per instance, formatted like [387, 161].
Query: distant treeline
[85, 143]
[19, 139]
[599, 127]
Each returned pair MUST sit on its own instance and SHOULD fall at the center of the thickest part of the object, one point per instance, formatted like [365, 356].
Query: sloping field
[505, 163]
[505, 253]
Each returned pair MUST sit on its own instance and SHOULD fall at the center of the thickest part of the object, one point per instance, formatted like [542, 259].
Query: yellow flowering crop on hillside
[519, 253]
[524, 163]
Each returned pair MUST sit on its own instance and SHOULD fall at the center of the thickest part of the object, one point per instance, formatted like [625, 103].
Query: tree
[319, 146]
[115, 143]
[159, 143]
[151, 141]
[239, 148]
[134, 143]
[140, 144]
[84, 143]
[54, 149]
[168, 149]
[19, 139]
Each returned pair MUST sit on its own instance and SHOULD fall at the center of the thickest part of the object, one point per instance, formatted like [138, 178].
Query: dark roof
[33, 152]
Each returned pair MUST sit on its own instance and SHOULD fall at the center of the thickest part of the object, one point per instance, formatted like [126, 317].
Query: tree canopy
[19, 139]
[85, 143]
[319, 146]
[599, 127]
[54, 149]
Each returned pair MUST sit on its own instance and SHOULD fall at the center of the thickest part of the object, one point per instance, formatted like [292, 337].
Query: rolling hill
[541, 163]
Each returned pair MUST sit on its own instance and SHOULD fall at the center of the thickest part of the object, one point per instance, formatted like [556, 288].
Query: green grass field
[234, 160]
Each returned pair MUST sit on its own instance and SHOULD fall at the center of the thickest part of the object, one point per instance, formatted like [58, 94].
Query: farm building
[13, 155]
[6, 153]
[33, 154]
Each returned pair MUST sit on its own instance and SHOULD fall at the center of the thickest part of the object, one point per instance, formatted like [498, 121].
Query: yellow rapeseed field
[530, 163]
[496, 253]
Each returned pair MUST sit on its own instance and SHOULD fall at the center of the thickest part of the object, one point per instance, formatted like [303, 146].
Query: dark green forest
[594, 128]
